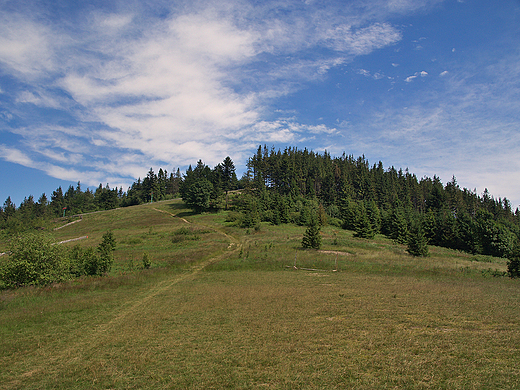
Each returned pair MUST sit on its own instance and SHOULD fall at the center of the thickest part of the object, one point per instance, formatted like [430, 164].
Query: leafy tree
[57, 202]
[106, 253]
[513, 264]
[251, 216]
[88, 262]
[350, 214]
[84, 261]
[9, 208]
[513, 267]
[41, 206]
[34, 260]
[198, 195]
[398, 225]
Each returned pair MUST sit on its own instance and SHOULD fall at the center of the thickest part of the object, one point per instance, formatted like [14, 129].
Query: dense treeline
[293, 185]
[301, 186]
[210, 193]
[33, 214]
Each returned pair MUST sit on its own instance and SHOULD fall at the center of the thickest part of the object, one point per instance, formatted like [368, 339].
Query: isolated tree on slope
[312, 237]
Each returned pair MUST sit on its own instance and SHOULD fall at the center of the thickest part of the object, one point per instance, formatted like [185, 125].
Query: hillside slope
[223, 307]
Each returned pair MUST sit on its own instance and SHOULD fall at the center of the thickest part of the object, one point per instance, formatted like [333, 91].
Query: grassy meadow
[229, 308]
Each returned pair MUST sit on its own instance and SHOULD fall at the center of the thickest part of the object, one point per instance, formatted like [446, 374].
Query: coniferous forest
[309, 189]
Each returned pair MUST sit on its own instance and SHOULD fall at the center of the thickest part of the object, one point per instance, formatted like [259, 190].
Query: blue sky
[100, 91]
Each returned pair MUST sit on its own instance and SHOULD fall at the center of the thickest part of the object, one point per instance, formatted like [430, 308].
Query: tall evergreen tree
[417, 242]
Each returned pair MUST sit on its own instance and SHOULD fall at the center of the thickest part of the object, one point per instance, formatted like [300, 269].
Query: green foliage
[363, 226]
[349, 213]
[106, 253]
[495, 238]
[92, 263]
[417, 242]
[198, 195]
[83, 261]
[397, 225]
[250, 216]
[147, 263]
[513, 264]
[513, 267]
[34, 260]
[88, 262]
[312, 236]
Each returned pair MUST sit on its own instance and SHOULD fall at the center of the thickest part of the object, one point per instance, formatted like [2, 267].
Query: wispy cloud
[469, 129]
[362, 41]
[169, 90]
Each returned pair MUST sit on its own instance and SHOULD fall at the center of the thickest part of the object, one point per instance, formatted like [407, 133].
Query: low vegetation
[308, 272]
[234, 307]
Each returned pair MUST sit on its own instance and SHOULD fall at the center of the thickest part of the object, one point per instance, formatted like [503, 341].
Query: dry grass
[238, 318]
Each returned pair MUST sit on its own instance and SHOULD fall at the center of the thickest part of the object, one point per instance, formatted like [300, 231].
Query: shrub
[106, 253]
[147, 263]
[92, 263]
[34, 260]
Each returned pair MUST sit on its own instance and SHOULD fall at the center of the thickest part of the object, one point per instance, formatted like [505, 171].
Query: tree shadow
[175, 207]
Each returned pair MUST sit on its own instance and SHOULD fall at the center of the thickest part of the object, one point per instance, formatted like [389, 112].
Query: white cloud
[442, 74]
[344, 38]
[41, 99]
[170, 90]
[27, 48]
[16, 156]
[410, 78]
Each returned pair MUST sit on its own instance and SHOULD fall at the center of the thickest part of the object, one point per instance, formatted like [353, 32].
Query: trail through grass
[220, 309]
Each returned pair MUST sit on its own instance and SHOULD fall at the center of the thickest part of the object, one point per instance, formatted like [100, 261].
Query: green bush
[88, 262]
[147, 263]
[106, 254]
[34, 260]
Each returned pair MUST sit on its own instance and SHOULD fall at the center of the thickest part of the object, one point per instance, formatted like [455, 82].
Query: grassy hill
[223, 307]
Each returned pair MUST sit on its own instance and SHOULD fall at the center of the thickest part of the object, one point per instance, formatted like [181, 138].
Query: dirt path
[173, 215]
[128, 314]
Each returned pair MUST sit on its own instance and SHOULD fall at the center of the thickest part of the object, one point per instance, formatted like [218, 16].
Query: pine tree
[417, 242]
[312, 237]
[513, 265]
[363, 226]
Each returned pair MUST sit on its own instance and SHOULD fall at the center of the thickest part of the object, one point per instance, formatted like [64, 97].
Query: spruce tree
[417, 242]
[312, 237]
[513, 264]
[363, 227]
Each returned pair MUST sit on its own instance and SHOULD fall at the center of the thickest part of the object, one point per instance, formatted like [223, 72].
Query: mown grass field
[224, 307]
